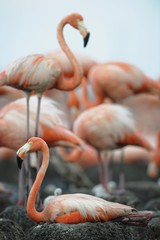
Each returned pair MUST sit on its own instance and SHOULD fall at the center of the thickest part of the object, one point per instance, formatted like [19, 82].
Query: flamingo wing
[76, 208]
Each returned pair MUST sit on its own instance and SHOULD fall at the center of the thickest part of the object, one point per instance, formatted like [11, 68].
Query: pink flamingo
[106, 127]
[117, 80]
[37, 73]
[72, 208]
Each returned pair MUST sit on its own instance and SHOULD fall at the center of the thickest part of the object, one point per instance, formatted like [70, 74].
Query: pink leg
[102, 172]
[122, 174]
[38, 114]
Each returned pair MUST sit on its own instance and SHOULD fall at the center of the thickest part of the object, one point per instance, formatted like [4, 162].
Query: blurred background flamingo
[108, 126]
[105, 77]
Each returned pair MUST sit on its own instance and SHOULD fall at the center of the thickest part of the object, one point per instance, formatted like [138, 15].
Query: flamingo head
[32, 145]
[76, 21]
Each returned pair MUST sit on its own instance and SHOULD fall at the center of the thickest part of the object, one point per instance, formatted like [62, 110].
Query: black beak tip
[86, 39]
[19, 162]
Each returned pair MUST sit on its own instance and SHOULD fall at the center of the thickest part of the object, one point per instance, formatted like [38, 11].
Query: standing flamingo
[72, 208]
[37, 73]
[117, 80]
[106, 127]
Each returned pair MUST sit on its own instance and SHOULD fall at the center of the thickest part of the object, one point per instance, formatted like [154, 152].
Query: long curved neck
[88, 104]
[61, 136]
[31, 209]
[63, 83]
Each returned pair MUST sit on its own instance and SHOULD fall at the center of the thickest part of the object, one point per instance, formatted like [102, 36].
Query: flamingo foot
[140, 218]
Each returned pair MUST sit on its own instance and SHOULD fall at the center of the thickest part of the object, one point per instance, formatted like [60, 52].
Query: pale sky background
[121, 30]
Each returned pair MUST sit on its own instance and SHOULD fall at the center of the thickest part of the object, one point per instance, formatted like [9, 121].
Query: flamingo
[106, 127]
[37, 73]
[72, 208]
[117, 80]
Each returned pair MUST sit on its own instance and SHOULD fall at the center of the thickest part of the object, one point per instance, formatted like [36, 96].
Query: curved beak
[84, 32]
[86, 39]
[19, 162]
[21, 153]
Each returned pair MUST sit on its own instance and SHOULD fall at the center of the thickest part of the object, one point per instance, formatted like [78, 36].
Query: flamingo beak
[19, 162]
[86, 39]
[21, 153]
[84, 32]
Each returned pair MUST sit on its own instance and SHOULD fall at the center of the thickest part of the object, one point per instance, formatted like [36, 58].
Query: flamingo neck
[137, 139]
[31, 209]
[64, 84]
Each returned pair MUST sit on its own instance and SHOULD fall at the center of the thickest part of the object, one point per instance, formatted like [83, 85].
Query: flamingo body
[117, 80]
[104, 125]
[76, 208]
[33, 73]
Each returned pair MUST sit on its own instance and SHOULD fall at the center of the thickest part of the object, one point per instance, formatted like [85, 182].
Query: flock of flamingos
[48, 100]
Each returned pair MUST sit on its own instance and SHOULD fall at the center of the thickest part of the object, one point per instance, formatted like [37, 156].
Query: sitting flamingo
[73, 208]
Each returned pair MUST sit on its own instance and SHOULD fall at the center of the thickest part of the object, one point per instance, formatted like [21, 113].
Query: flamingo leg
[27, 98]
[21, 187]
[122, 173]
[102, 172]
[110, 160]
[27, 164]
[38, 114]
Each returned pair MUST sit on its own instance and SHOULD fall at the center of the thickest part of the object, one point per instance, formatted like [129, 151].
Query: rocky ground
[141, 193]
